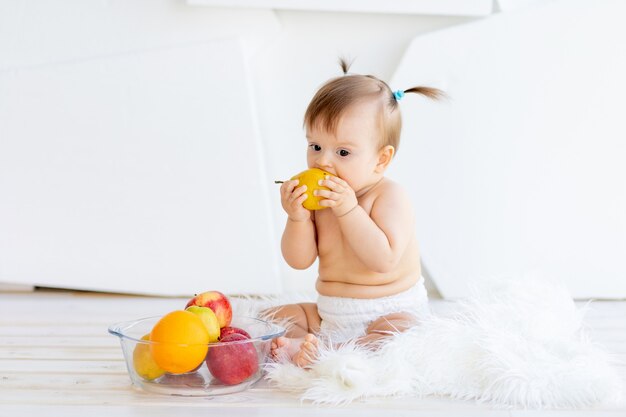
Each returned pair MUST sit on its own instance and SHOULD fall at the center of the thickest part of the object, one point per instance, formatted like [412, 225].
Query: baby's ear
[385, 155]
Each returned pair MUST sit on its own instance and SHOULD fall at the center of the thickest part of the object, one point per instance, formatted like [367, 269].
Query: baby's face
[352, 152]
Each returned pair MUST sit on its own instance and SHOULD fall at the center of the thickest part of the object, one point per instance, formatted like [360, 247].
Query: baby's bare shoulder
[393, 211]
[389, 190]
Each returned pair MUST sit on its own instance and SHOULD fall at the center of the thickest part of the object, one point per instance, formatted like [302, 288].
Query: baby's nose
[323, 161]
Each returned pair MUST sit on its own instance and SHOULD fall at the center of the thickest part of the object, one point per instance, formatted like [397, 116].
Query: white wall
[87, 201]
[104, 52]
[290, 66]
[521, 173]
[130, 155]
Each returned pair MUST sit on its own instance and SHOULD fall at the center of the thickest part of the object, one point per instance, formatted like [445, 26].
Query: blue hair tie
[398, 94]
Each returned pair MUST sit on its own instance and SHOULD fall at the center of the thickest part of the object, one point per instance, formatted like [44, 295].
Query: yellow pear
[311, 178]
[144, 363]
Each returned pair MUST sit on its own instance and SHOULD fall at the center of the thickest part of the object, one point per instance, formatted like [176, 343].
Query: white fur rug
[514, 345]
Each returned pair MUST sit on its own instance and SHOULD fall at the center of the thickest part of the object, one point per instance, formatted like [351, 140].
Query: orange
[179, 342]
[311, 178]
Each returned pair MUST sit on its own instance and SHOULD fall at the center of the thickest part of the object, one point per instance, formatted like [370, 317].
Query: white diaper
[347, 318]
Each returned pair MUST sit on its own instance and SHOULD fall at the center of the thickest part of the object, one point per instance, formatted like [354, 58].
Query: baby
[369, 281]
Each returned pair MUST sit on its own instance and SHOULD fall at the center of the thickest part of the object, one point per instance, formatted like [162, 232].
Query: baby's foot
[283, 348]
[307, 353]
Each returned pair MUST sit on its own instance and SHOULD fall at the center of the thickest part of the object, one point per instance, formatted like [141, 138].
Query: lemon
[311, 178]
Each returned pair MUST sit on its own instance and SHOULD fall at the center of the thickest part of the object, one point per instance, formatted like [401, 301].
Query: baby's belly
[342, 274]
[364, 286]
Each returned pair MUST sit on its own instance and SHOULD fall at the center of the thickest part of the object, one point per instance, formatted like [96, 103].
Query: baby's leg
[376, 333]
[385, 327]
[299, 343]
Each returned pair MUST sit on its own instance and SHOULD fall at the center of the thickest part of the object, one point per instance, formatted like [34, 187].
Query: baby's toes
[281, 342]
[274, 349]
[279, 349]
[310, 338]
[309, 350]
[306, 355]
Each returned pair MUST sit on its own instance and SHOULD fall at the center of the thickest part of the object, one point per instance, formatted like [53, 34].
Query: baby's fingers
[297, 194]
[326, 194]
[328, 203]
[334, 183]
[288, 187]
[299, 191]
[300, 200]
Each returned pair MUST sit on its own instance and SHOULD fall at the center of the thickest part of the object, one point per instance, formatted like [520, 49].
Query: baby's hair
[338, 94]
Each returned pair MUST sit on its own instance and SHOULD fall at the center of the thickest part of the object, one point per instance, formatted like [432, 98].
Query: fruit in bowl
[233, 360]
[209, 319]
[200, 351]
[179, 342]
[231, 330]
[143, 362]
[217, 302]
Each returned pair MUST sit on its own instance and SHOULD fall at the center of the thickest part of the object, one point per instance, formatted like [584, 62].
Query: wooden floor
[57, 359]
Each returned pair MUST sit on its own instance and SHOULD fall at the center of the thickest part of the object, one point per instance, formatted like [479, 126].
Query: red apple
[232, 362]
[217, 302]
[225, 331]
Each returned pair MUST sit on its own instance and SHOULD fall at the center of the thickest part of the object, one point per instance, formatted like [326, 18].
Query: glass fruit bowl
[228, 366]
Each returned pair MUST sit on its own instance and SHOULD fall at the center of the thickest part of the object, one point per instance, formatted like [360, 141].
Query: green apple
[209, 319]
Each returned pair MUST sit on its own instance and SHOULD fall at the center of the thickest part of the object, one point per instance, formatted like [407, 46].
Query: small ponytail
[345, 65]
[429, 92]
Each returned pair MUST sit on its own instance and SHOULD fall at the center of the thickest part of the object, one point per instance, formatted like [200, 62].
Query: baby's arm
[380, 238]
[299, 243]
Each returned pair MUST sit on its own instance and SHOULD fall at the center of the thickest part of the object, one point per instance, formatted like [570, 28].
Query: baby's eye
[315, 147]
[343, 152]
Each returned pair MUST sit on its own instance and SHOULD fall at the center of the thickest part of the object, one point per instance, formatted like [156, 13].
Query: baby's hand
[292, 198]
[340, 196]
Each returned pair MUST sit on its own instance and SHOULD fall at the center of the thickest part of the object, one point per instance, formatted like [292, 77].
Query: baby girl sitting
[369, 281]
